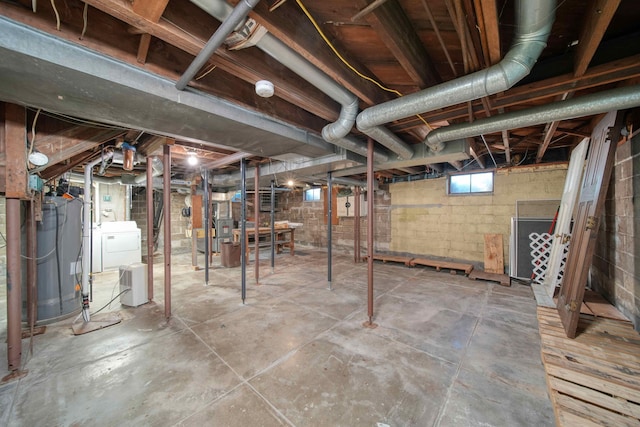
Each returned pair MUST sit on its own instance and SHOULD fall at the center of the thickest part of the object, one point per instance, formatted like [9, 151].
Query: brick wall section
[426, 221]
[314, 231]
[616, 265]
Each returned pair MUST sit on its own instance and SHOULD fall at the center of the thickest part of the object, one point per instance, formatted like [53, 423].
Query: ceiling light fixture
[38, 159]
[192, 159]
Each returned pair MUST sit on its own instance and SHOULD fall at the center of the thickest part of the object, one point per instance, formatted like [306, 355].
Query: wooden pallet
[503, 279]
[439, 265]
[593, 379]
[392, 258]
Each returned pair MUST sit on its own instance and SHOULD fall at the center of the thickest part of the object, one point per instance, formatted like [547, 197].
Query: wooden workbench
[280, 238]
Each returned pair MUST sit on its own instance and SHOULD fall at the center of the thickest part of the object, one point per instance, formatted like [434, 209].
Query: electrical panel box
[347, 207]
[133, 284]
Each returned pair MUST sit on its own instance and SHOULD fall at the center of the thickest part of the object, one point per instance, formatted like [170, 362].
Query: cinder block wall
[616, 265]
[180, 243]
[427, 221]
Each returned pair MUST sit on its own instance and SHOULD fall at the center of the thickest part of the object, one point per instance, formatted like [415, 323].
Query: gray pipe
[235, 18]
[534, 20]
[87, 231]
[602, 102]
[333, 132]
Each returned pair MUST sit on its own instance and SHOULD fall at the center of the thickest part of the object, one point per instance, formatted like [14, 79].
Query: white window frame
[471, 192]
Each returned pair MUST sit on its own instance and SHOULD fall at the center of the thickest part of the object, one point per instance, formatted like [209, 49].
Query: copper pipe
[166, 189]
[150, 217]
[356, 226]
[370, 220]
[256, 222]
[14, 285]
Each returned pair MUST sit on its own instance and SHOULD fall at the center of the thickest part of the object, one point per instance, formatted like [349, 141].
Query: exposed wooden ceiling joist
[396, 32]
[597, 18]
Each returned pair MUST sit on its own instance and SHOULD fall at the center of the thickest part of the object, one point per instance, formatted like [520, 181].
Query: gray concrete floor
[448, 351]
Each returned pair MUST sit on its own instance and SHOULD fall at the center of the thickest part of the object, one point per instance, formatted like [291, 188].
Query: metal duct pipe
[602, 102]
[357, 147]
[158, 169]
[86, 233]
[333, 132]
[235, 18]
[534, 20]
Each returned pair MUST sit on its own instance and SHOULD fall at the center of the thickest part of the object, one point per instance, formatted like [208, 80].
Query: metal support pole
[329, 225]
[273, 226]
[243, 227]
[166, 190]
[370, 220]
[32, 268]
[356, 225]
[14, 285]
[150, 228]
[212, 219]
[207, 227]
[256, 222]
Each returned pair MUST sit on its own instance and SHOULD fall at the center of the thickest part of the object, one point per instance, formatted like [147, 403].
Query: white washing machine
[121, 244]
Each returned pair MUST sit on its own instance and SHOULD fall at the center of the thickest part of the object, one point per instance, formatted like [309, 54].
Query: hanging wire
[85, 19]
[345, 62]
[490, 153]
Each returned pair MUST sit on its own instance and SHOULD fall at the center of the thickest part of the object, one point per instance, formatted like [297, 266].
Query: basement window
[471, 183]
[312, 195]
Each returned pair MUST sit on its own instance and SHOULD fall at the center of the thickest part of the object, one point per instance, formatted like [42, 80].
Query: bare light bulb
[192, 160]
[290, 183]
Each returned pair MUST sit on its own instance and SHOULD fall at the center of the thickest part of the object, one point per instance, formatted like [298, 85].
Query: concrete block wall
[616, 265]
[426, 221]
[180, 243]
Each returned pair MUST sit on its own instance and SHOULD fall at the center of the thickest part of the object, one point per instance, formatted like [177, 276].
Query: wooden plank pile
[593, 379]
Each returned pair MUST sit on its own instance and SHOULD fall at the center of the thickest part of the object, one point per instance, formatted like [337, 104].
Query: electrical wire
[345, 62]
[204, 74]
[39, 258]
[490, 153]
[33, 131]
[85, 19]
[55, 10]
[109, 303]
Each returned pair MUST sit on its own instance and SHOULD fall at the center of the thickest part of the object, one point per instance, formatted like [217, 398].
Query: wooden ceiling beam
[597, 19]
[143, 48]
[487, 13]
[58, 169]
[150, 9]
[73, 141]
[396, 32]
[247, 66]
[574, 132]
[289, 25]
[549, 132]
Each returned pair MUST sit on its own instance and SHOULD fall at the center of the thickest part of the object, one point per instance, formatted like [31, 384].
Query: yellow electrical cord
[351, 67]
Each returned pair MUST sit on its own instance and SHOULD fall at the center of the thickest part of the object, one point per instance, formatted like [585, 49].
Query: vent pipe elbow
[341, 127]
[534, 20]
